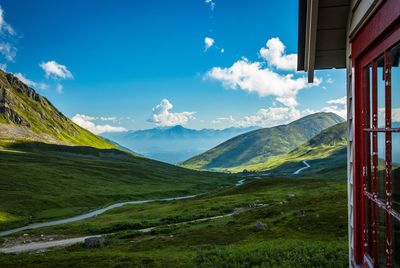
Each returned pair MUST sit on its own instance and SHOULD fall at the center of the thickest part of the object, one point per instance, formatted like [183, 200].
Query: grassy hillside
[53, 181]
[327, 150]
[258, 146]
[304, 224]
[27, 116]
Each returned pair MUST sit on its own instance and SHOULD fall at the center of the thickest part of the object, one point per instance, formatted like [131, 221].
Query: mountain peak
[25, 115]
[258, 145]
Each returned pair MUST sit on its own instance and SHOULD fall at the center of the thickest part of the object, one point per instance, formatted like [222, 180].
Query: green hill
[51, 168]
[258, 146]
[27, 116]
[327, 151]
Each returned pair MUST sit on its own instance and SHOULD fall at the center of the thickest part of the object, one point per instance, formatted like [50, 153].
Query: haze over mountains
[174, 144]
[258, 146]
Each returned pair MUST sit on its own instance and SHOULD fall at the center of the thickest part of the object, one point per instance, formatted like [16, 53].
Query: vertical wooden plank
[358, 166]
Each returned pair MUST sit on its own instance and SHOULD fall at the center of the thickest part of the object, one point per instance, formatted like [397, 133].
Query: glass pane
[396, 171]
[395, 61]
[382, 238]
[370, 95]
[395, 225]
[381, 92]
[381, 165]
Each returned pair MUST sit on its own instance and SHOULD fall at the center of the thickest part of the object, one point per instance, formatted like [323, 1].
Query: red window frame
[376, 38]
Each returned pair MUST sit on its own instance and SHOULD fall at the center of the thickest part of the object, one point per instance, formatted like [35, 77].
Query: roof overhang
[322, 35]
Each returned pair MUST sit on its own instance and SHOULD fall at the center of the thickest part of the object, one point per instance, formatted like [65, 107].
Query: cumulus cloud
[86, 122]
[254, 78]
[340, 101]
[381, 115]
[337, 106]
[163, 117]
[8, 51]
[56, 70]
[272, 116]
[396, 114]
[274, 54]
[210, 3]
[29, 82]
[208, 42]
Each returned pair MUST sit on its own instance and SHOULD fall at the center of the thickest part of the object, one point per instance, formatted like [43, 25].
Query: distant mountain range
[257, 146]
[174, 144]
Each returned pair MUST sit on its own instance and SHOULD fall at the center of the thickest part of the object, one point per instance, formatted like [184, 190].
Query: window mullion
[374, 134]
[388, 162]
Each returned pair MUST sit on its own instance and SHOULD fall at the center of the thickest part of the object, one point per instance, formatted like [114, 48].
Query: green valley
[259, 146]
[52, 169]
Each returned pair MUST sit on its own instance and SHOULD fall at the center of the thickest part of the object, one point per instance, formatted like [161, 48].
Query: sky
[114, 66]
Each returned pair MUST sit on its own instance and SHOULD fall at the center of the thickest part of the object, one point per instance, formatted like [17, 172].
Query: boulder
[261, 226]
[94, 242]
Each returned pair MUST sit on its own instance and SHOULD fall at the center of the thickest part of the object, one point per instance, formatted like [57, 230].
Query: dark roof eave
[301, 34]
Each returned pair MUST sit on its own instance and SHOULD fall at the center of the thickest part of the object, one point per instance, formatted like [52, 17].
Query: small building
[363, 36]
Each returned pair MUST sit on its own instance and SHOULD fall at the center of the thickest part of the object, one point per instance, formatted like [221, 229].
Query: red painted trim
[375, 220]
[388, 124]
[382, 21]
[378, 50]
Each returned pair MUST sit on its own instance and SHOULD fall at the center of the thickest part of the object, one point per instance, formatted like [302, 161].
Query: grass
[305, 219]
[48, 181]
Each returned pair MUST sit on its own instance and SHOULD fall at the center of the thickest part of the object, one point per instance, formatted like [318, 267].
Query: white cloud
[211, 3]
[337, 106]
[329, 80]
[163, 117]
[29, 82]
[110, 118]
[254, 78]
[381, 115]
[208, 42]
[340, 101]
[3, 66]
[396, 114]
[272, 116]
[274, 54]
[4, 26]
[223, 120]
[52, 68]
[7, 34]
[59, 88]
[86, 122]
[8, 51]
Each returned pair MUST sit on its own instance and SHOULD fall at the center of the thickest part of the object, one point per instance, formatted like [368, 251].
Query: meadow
[276, 222]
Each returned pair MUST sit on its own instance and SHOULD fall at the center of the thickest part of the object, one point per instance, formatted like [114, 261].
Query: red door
[376, 61]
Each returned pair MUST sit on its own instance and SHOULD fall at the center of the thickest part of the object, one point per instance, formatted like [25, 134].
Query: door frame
[379, 33]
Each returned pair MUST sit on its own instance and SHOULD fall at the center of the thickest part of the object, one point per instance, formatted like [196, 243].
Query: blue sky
[116, 65]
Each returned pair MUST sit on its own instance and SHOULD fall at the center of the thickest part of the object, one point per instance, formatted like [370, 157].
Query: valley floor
[273, 222]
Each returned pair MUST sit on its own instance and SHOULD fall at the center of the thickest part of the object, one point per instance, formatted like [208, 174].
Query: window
[381, 161]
